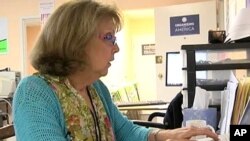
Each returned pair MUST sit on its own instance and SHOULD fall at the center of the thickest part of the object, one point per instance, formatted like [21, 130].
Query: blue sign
[184, 25]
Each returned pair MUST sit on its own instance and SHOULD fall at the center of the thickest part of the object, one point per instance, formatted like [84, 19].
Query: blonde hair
[59, 49]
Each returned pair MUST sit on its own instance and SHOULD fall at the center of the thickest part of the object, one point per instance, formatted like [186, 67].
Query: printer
[8, 83]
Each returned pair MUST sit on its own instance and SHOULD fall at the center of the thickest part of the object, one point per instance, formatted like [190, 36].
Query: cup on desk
[200, 124]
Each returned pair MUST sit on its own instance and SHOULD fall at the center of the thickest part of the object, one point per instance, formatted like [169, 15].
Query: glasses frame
[109, 38]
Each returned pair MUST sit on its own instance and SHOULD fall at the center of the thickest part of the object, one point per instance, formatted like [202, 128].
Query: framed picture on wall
[148, 49]
[158, 59]
[173, 69]
[3, 36]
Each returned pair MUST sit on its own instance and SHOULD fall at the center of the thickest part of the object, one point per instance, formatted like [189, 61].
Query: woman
[66, 100]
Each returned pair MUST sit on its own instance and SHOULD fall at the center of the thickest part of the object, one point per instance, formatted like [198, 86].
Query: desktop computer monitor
[173, 69]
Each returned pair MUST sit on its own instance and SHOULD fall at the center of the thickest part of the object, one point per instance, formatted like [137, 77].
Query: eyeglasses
[110, 38]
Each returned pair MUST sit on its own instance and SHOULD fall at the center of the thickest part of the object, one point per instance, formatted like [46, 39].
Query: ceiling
[136, 9]
[140, 13]
[142, 4]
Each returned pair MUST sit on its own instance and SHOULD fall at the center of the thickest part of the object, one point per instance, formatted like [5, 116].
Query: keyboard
[141, 103]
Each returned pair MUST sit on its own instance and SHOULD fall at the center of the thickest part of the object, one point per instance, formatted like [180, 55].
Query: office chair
[7, 131]
[171, 119]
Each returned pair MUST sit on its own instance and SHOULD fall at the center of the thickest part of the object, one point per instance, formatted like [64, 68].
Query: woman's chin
[104, 73]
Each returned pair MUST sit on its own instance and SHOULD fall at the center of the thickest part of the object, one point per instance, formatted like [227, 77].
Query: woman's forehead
[107, 24]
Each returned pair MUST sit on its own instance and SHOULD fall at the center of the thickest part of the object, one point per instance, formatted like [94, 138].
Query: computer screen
[173, 69]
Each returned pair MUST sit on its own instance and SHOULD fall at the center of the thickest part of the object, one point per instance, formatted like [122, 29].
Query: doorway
[30, 30]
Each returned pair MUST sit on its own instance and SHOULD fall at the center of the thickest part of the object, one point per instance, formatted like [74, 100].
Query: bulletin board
[3, 36]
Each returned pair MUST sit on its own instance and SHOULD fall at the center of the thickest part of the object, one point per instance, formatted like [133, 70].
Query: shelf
[242, 62]
[215, 106]
[219, 46]
[222, 66]
[213, 87]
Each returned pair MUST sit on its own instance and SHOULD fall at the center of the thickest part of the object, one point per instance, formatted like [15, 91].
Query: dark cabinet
[233, 56]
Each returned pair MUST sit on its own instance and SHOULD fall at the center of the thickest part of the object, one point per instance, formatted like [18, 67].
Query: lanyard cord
[96, 121]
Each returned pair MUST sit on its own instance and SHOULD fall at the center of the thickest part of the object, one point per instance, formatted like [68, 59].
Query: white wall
[166, 43]
[144, 68]
[116, 74]
[130, 66]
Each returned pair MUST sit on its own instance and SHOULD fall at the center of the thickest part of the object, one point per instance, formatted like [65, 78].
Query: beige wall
[23, 9]
[166, 43]
[32, 33]
[141, 4]
[142, 31]
[15, 10]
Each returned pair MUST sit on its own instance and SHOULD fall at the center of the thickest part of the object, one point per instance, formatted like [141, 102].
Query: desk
[141, 110]
[8, 104]
[143, 106]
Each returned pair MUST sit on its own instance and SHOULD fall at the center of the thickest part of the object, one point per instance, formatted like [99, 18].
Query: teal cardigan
[38, 116]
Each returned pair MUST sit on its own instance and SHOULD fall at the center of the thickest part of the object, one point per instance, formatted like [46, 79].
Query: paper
[201, 99]
[224, 111]
[229, 103]
[241, 26]
[241, 99]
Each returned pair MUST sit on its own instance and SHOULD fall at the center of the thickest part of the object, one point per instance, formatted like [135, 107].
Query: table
[141, 110]
[143, 106]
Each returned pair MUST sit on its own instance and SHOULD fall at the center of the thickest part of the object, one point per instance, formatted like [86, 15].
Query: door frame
[25, 22]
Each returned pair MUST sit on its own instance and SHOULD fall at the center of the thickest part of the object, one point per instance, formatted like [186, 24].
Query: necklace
[95, 117]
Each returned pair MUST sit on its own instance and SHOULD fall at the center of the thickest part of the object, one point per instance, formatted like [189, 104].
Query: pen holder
[216, 36]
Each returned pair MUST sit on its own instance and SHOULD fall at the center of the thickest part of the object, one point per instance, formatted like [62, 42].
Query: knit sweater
[38, 115]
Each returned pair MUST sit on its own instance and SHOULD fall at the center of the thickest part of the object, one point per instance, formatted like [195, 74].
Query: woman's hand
[185, 134]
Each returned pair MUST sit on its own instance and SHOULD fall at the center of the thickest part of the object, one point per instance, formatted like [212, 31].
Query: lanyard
[96, 120]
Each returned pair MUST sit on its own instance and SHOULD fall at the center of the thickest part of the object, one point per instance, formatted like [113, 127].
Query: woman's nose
[116, 48]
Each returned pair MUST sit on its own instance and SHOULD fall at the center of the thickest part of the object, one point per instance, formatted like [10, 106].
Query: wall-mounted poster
[46, 8]
[3, 36]
[248, 3]
[184, 25]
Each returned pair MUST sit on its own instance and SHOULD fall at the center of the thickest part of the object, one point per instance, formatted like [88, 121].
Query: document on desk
[228, 99]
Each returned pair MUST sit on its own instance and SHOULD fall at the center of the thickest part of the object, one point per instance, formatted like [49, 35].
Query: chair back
[7, 131]
[174, 117]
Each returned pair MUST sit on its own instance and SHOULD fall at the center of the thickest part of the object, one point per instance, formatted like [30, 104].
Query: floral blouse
[82, 123]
